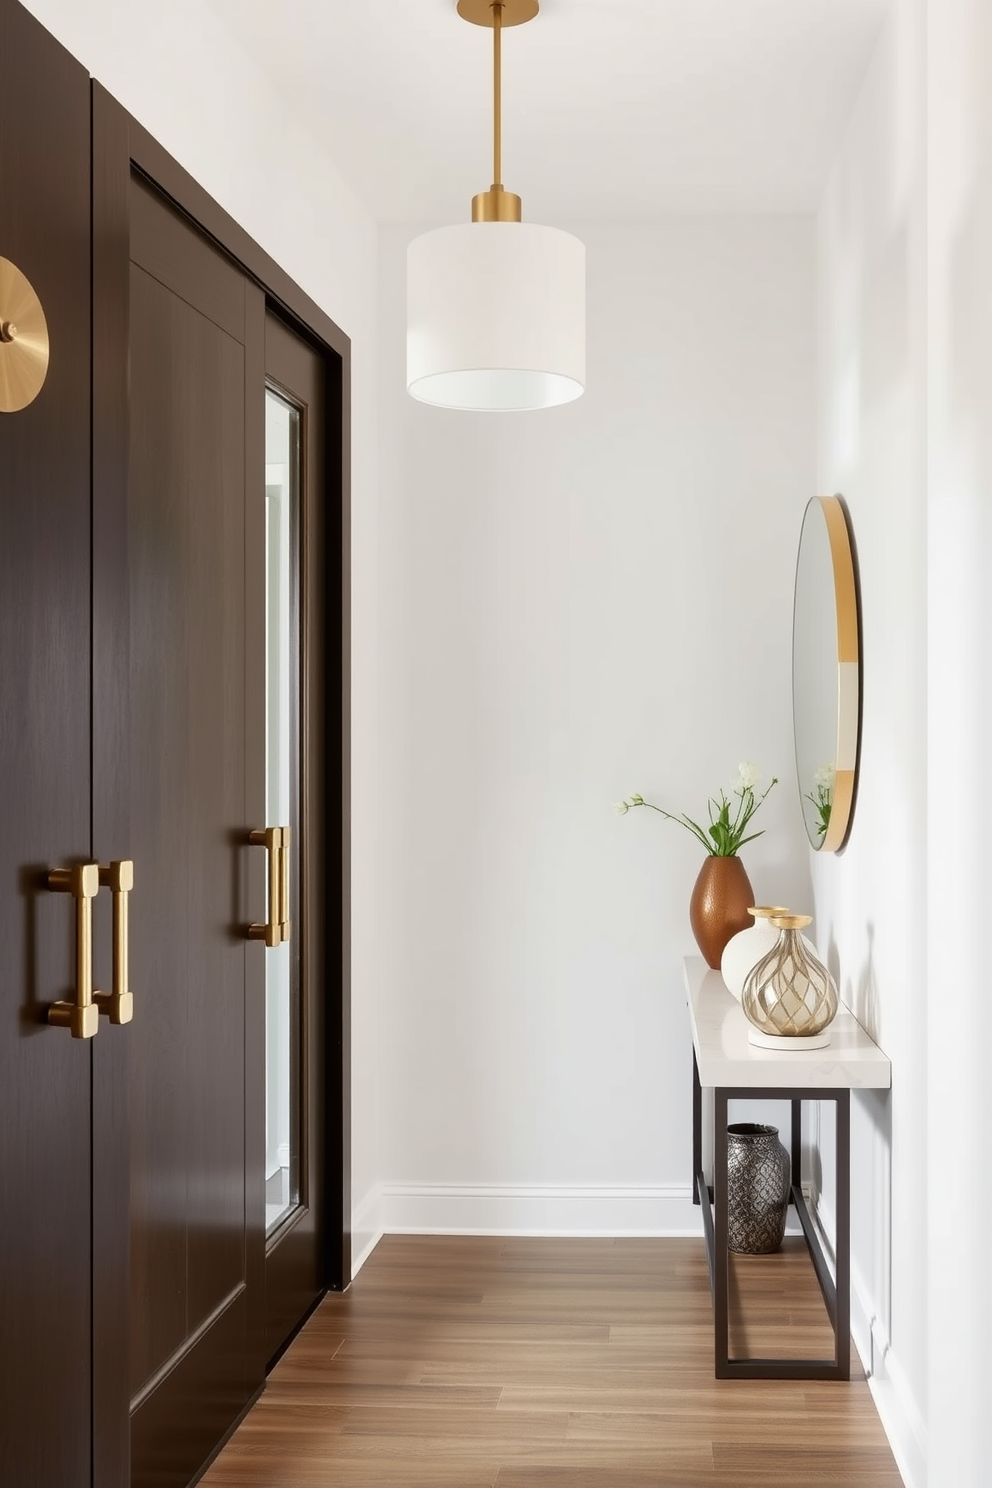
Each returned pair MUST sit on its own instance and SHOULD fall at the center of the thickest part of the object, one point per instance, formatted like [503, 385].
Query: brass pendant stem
[497, 96]
[497, 205]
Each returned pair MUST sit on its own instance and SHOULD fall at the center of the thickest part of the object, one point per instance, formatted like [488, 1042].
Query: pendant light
[496, 306]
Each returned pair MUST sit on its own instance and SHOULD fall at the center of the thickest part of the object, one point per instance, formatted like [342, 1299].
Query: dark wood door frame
[121, 146]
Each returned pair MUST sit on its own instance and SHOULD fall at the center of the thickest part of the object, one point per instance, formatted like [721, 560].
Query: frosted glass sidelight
[282, 495]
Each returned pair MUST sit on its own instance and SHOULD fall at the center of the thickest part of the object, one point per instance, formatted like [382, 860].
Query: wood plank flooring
[514, 1363]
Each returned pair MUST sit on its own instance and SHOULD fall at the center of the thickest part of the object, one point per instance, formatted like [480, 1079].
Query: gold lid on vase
[767, 911]
[791, 921]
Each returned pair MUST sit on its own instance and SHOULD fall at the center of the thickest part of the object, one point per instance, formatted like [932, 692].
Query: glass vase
[790, 994]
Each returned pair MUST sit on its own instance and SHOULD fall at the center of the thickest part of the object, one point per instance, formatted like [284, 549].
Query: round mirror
[826, 673]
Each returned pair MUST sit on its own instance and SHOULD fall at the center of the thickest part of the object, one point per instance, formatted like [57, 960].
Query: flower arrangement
[728, 822]
[821, 797]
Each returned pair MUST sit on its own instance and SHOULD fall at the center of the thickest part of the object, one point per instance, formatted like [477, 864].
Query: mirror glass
[826, 673]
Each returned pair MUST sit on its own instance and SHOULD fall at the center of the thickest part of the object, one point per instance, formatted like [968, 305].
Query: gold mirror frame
[847, 622]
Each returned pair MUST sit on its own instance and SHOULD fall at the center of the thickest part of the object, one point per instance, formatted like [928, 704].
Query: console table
[723, 1060]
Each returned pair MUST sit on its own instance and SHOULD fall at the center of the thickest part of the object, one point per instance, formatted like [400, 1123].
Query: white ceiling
[614, 110]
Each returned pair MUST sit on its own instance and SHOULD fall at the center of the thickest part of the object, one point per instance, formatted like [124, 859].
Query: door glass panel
[282, 498]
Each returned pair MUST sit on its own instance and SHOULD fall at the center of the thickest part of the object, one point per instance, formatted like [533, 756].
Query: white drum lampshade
[496, 317]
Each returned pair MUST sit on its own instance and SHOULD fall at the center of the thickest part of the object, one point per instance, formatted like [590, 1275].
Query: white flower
[748, 775]
[824, 778]
[624, 806]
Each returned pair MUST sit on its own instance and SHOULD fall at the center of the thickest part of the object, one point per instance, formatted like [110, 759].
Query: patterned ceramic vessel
[744, 950]
[759, 1175]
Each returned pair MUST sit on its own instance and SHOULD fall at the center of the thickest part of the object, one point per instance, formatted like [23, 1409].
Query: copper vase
[719, 904]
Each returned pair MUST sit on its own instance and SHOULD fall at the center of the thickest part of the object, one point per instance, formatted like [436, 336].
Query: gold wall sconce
[24, 345]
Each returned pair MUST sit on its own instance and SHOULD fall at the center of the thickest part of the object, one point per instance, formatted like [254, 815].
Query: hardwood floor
[515, 1363]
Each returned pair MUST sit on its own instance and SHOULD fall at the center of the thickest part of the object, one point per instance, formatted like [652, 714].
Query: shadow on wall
[860, 995]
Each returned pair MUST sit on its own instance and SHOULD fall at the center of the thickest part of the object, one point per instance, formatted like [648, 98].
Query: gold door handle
[118, 1005]
[82, 1017]
[271, 931]
[285, 924]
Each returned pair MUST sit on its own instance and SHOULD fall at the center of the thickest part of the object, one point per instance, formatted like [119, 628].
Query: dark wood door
[296, 1270]
[195, 340]
[45, 1074]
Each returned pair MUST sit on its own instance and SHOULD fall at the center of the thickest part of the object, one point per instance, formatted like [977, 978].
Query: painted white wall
[872, 901]
[578, 604]
[959, 881]
[180, 71]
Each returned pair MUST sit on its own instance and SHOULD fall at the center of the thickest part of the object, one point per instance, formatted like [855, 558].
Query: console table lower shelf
[836, 1291]
[725, 1062]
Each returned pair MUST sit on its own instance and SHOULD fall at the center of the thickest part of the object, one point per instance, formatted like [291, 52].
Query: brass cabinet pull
[285, 924]
[271, 931]
[118, 1005]
[82, 1017]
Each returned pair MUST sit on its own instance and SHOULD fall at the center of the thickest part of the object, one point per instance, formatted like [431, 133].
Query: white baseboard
[897, 1409]
[556, 1210]
[366, 1228]
[535, 1209]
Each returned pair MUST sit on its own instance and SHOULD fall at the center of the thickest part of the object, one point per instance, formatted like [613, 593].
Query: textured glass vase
[790, 994]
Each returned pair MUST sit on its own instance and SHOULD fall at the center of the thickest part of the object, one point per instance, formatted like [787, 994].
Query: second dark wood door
[195, 1116]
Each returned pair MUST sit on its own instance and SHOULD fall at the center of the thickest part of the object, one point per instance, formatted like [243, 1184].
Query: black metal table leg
[842, 1318]
[836, 1289]
[697, 1128]
[721, 1258]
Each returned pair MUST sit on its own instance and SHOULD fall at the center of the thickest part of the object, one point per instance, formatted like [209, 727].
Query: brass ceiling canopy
[23, 340]
[481, 12]
[497, 205]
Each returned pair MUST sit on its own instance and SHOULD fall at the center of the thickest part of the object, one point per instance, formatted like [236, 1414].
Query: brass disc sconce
[23, 340]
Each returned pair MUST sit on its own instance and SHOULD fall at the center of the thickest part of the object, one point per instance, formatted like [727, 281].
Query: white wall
[184, 76]
[959, 882]
[872, 900]
[578, 604]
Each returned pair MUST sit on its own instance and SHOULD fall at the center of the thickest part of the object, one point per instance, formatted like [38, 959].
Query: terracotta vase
[719, 905]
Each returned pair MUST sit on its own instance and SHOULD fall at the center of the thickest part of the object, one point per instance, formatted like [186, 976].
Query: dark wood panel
[252, 877]
[177, 1427]
[337, 815]
[312, 322]
[296, 1262]
[169, 178]
[184, 260]
[214, 485]
[189, 831]
[45, 1245]
[158, 539]
[111, 788]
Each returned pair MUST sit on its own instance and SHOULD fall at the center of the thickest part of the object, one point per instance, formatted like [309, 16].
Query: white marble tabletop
[725, 1058]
